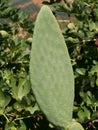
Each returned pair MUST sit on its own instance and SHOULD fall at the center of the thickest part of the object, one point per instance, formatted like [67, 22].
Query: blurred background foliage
[79, 24]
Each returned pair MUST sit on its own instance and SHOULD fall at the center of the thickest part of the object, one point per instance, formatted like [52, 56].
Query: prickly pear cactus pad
[74, 126]
[51, 71]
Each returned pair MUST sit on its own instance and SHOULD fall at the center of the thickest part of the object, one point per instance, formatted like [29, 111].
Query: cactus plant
[74, 126]
[51, 71]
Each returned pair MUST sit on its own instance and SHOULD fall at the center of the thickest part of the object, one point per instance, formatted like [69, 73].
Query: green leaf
[94, 70]
[4, 101]
[72, 40]
[20, 89]
[32, 109]
[80, 71]
[87, 97]
[92, 26]
[15, 126]
[84, 114]
[51, 71]
[97, 81]
[23, 88]
[22, 125]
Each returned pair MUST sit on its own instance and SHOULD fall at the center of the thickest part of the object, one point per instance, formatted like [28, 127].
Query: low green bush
[16, 98]
[18, 109]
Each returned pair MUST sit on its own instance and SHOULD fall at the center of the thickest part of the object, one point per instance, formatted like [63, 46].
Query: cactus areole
[51, 72]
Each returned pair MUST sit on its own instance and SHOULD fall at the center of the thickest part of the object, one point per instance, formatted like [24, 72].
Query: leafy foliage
[16, 99]
[17, 106]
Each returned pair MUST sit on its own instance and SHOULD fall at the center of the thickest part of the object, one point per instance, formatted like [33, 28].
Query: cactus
[74, 126]
[51, 72]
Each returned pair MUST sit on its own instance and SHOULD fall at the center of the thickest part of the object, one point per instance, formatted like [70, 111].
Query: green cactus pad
[74, 126]
[51, 72]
